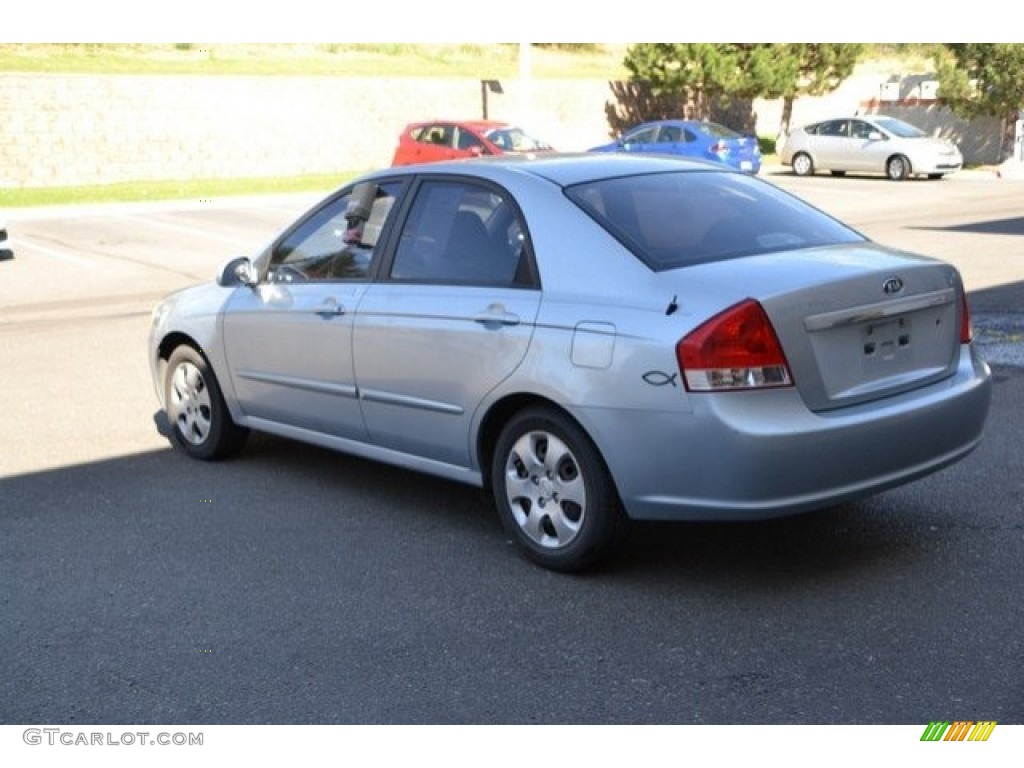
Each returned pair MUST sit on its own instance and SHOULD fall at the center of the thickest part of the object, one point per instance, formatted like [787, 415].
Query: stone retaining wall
[65, 130]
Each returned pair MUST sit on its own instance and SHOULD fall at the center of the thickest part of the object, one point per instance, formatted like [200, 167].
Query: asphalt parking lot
[294, 585]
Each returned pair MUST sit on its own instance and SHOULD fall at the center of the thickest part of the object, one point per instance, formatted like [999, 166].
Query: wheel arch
[499, 414]
[172, 341]
[165, 349]
[219, 435]
[217, 365]
[599, 514]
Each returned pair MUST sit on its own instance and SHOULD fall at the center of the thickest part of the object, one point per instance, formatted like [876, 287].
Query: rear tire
[554, 494]
[802, 164]
[199, 418]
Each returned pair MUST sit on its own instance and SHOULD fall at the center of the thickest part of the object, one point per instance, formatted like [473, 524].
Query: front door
[288, 340]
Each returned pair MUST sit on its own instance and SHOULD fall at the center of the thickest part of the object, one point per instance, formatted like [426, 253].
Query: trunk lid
[856, 322]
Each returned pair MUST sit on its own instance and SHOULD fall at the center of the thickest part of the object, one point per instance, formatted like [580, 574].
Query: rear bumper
[755, 455]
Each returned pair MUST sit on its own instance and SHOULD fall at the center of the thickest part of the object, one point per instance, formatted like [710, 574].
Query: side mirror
[875, 136]
[476, 151]
[238, 271]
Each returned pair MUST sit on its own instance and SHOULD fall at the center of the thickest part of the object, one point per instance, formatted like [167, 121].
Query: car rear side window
[460, 232]
[675, 219]
[834, 128]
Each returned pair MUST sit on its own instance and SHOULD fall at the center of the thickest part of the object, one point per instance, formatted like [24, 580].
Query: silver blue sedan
[593, 338]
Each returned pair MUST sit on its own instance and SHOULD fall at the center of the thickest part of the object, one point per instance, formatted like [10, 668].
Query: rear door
[452, 318]
[832, 145]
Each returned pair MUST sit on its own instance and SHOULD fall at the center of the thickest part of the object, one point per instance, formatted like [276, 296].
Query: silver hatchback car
[593, 338]
[869, 144]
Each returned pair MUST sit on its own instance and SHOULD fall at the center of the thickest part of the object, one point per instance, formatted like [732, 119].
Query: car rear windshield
[675, 219]
[720, 131]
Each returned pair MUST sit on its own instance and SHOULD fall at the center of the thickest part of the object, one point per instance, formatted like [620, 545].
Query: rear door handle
[496, 314]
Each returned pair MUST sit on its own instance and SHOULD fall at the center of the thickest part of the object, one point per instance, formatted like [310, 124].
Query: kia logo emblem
[892, 285]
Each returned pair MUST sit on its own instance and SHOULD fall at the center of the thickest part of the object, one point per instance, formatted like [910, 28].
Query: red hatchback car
[446, 140]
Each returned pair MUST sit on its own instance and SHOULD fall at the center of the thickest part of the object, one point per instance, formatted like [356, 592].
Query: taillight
[965, 320]
[736, 349]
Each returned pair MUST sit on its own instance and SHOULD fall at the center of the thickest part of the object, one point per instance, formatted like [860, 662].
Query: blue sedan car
[691, 138]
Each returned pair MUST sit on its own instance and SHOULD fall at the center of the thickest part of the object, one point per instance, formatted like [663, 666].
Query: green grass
[337, 59]
[192, 189]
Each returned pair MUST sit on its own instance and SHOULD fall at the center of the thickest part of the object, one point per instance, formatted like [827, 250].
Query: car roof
[480, 125]
[682, 122]
[561, 168]
[868, 118]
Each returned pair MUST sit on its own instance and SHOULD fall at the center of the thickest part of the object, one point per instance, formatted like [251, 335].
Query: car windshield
[512, 139]
[678, 218]
[899, 128]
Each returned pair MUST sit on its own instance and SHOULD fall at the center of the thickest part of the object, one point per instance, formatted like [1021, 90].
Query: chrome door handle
[330, 308]
[496, 315]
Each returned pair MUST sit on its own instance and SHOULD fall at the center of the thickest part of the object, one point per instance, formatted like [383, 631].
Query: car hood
[928, 144]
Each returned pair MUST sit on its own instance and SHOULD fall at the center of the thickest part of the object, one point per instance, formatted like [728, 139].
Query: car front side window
[861, 130]
[339, 241]
[467, 140]
[643, 136]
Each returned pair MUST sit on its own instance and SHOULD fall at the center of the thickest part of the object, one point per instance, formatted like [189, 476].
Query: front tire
[553, 492]
[200, 421]
[897, 168]
[802, 164]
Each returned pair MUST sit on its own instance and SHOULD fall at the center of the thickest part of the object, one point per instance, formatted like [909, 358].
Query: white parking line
[184, 229]
[24, 242]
